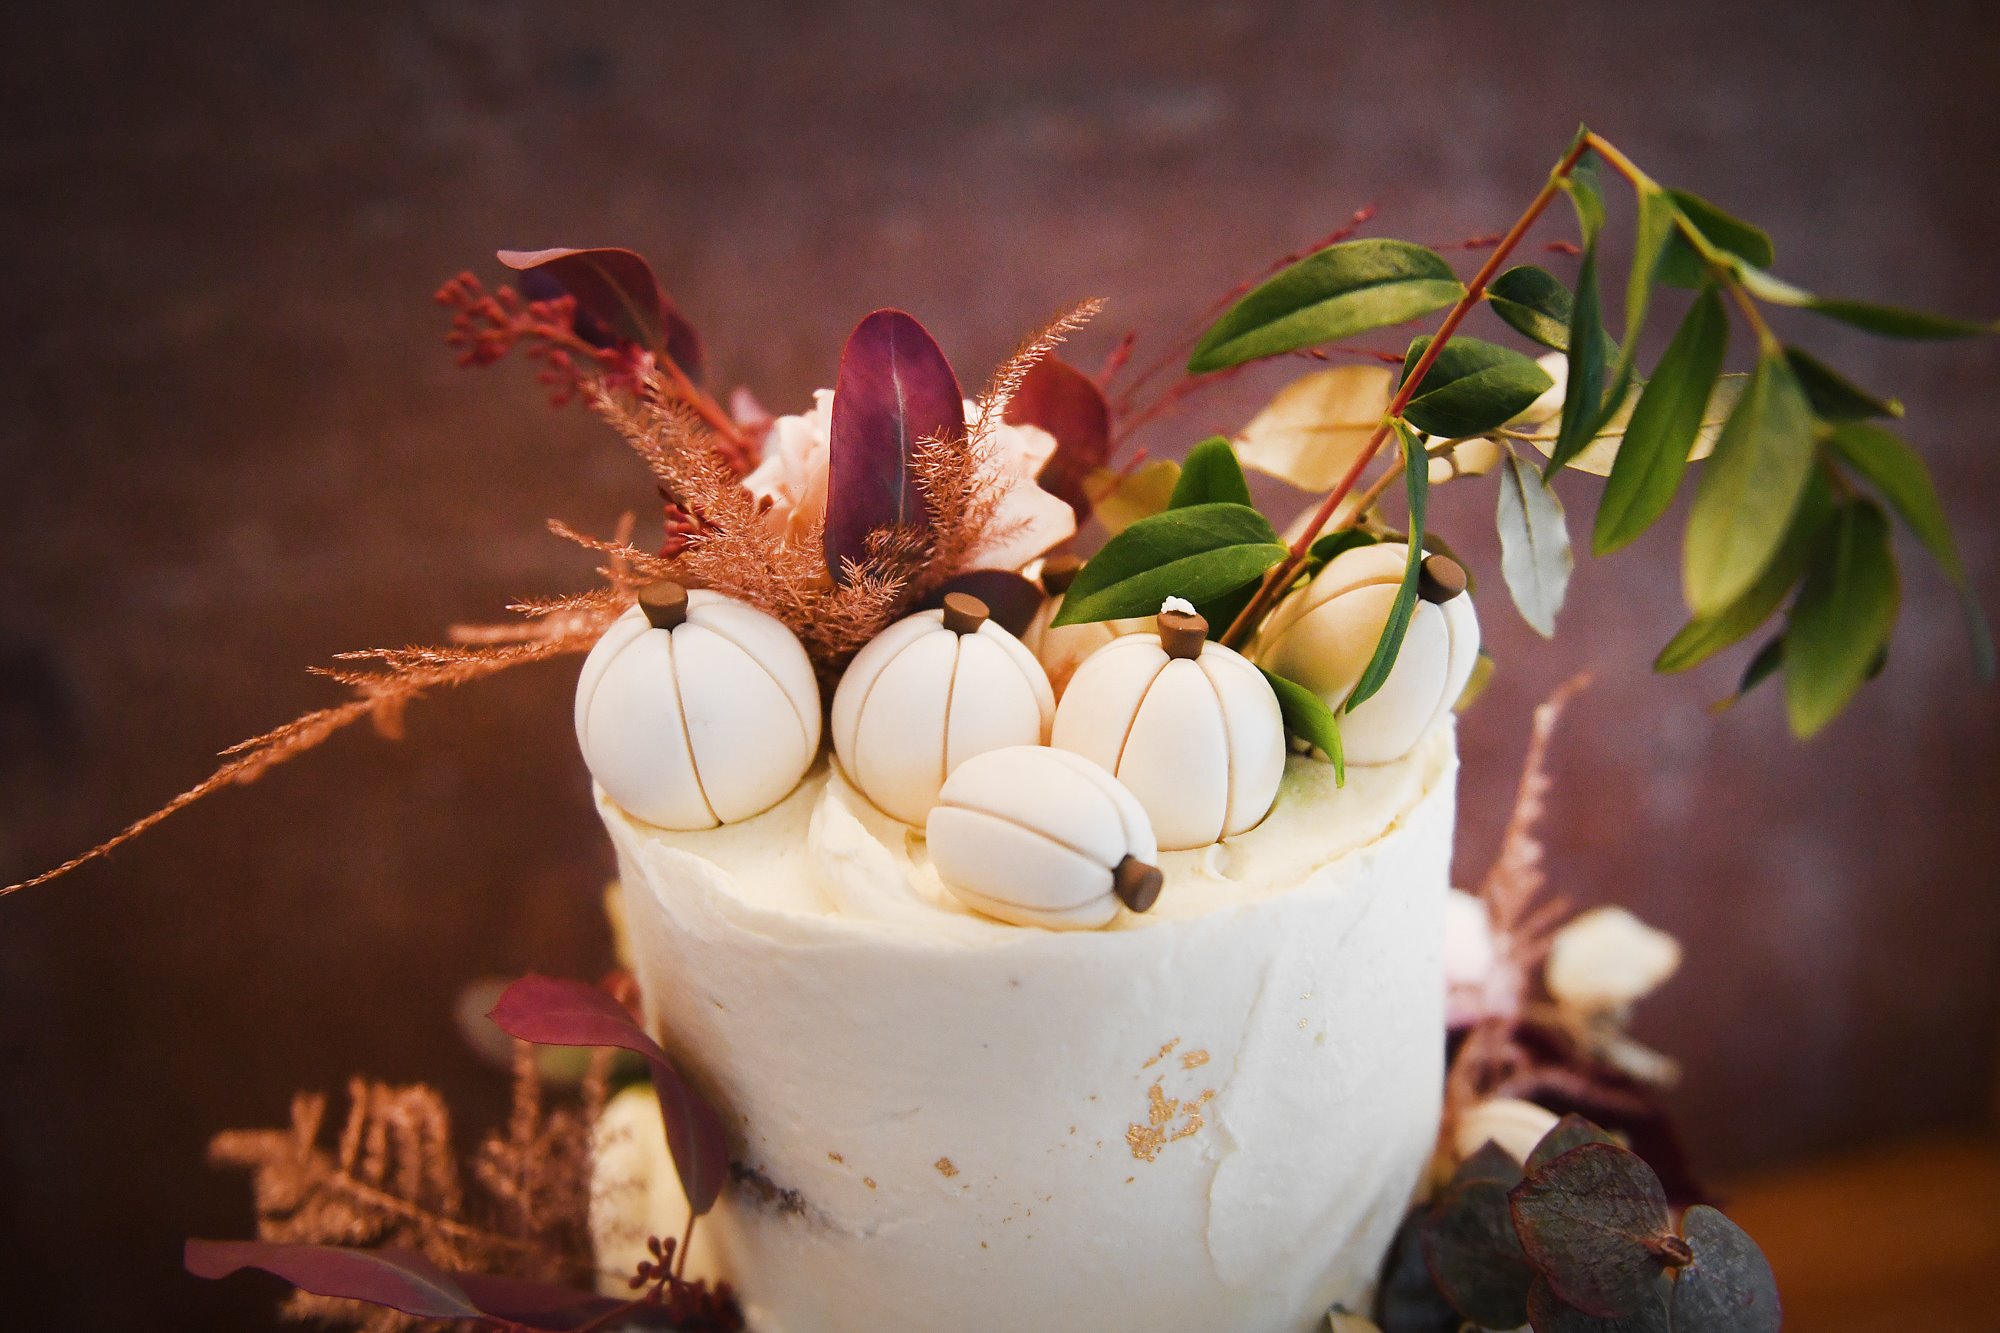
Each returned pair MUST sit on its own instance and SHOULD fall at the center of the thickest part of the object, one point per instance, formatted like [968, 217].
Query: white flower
[1515, 1125]
[635, 1193]
[1605, 959]
[1479, 982]
[1027, 522]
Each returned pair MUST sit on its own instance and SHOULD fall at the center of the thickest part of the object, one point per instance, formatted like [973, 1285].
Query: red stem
[1281, 575]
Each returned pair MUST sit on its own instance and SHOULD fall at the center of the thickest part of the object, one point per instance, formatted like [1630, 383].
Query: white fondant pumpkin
[1061, 649]
[1042, 837]
[929, 693]
[1323, 636]
[695, 710]
[1191, 727]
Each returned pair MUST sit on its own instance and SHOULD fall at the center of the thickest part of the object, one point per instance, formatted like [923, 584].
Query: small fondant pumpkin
[1323, 636]
[1192, 728]
[1042, 837]
[929, 693]
[696, 710]
[1061, 649]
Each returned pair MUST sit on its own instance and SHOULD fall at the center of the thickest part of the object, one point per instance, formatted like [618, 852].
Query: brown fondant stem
[964, 613]
[665, 604]
[1440, 578]
[1058, 572]
[1182, 633]
[1136, 883]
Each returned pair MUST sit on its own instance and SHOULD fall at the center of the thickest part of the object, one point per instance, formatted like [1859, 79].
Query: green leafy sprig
[1790, 516]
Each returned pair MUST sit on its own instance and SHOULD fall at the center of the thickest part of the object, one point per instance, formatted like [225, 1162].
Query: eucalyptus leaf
[1705, 636]
[1314, 429]
[1662, 430]
[1749, 489]
[1210, 475]
[1491, 1162]
[1535, 556]
[1308, 717]
[1343, 290]
[1475, 1256]
[1592, 1222]
[1583, 393]
[1534, 303]
[1883, 320]
[1199, 552]
[1843, 617]
[1729, 1288]
[1833, 396]
[1548, 1313]
[1472, 387]
[1682, 267]
[1416, 481]
[1572, 1131]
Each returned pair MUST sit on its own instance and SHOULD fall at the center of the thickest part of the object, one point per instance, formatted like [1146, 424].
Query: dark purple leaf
[1572, 1131]
[1012, 599]
[895, 389]
[1548, 1313]
[536, 1305]
[552, 1012]
[1729, 1287]
[1408, 1300]
[616, 291]
[1492, 1162]
[1475, 1257]
[1066, 403]
[397, 1278]
[1594, 1222]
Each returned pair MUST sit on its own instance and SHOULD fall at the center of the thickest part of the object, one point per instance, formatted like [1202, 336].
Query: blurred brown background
[232, 445]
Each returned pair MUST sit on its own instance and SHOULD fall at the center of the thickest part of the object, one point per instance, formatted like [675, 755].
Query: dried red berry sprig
[487, 325]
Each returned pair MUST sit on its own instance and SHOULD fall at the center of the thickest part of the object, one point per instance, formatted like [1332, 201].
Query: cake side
[1211, 1116]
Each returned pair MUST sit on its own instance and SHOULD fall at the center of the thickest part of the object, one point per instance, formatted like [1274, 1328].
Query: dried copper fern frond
[392, 1178]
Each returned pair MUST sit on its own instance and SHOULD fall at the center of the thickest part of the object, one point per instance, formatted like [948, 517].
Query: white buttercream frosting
[1208, 1116]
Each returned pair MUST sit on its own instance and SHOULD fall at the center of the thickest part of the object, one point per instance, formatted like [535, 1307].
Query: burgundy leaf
[552, 1012]
[1066, 403]
[616, 289]
[1407, 1299]
[1475, 1257]
[536, 1305]
[894, 390]
[1012, 599]
[1492, 1162]
[1594, 1222]
[1729, 1287]
[397, 1278]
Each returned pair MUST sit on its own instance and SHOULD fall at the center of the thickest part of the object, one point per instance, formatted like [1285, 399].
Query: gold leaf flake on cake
[1194, 1059]
[1168, 1120]
[1162, 1053]
[945, 1168]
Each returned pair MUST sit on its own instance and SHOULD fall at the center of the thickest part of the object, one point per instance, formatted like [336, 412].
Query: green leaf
[1833, 396]
[1886, 321]
[1416, 480]
[1587, 197]
[1654, 456]
[1749, 489]
[1535, 557]
[1534, 303]
[1654, 229]
[1308, 717]
[1729, 1288]
[1210, 475]
[1682, 267]
[1763, 664]
[1583, 390]
[1899, 475]
[1843, 617]
[1472, 387]
[1591, 1222]
[1332, 544]
[1199, 552]
[1336, 293]
[1704, 637]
